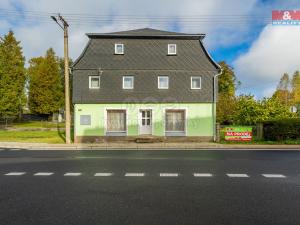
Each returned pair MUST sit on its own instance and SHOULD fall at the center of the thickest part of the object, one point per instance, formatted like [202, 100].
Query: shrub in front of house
[280, 130]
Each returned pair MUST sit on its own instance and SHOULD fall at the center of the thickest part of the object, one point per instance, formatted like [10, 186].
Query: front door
[145, 123]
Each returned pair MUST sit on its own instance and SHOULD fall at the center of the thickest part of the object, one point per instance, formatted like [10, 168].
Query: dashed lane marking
[15, 173]
[203, 175]
[241, 175]
[43, 174]
[168, 174]
[274, 175]
[134, 174]
[103, 174]
[72, 174]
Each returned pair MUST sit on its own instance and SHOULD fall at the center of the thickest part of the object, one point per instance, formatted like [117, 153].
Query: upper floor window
[128, 82]
[195, 82]
[163, 82]
[172, 49]
[94, 82]
[119, 49]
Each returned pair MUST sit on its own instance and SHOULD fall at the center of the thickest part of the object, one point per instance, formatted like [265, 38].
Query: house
[144, 82]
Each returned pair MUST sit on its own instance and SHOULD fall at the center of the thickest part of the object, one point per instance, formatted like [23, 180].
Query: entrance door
[145, 123]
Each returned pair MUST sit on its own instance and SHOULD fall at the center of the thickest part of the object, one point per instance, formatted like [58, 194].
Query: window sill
[175, 133]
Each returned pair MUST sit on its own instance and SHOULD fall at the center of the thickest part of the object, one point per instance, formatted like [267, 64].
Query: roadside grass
[263, 142]
[51, 137]
[37, 124]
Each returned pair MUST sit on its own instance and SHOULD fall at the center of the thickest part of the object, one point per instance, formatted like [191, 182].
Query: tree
[248, 110]
[45, 85]
[227, 84]
[227, 81]
[273, 109]
[283, 93]
[296, 90]
[12, 77]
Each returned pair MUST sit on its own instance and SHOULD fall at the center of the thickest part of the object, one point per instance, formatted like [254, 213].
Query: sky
[237, 31]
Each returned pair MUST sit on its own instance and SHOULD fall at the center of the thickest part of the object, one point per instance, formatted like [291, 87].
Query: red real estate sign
[238, 133]
[286, 17]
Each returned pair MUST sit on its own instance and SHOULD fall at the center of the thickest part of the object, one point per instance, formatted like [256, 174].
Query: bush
[280, 130]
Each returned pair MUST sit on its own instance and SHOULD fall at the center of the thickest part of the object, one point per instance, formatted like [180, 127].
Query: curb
[123, 146]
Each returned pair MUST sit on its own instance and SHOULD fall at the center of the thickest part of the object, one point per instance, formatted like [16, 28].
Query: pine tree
[45, 86]
[12, 77]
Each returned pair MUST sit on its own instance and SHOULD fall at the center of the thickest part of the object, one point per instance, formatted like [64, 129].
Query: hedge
[279, 130]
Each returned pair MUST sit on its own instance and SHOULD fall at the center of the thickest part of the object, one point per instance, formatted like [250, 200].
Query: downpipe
[214, 112]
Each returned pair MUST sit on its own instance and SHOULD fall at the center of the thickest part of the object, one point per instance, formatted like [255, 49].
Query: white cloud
[45, 33]
[276, 51]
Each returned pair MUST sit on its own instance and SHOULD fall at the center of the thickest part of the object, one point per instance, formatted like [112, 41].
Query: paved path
[150, 187]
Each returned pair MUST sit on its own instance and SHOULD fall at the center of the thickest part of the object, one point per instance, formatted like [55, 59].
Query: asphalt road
[149, 187]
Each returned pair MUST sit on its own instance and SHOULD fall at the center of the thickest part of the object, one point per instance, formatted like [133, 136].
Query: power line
[189, 20]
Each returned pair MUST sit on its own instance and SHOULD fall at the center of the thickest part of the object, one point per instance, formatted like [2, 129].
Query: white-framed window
[196, 82]
[163, 82]
[85, 119]
[116, 120]
[128, 82]
[172, 49]
[175, 120]
[94, 82]
[119, 49]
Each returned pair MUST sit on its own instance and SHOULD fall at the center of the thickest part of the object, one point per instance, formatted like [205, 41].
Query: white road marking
[168, 174]
[134, 174]
[237, 175]
[274, 176]
[15, 174]
[43, 174]
[203, 175]
[103, 174]
[72, 174]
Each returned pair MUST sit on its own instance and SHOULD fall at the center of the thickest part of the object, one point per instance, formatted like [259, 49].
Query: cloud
[276, 51]
[36, 36]
[258, 69]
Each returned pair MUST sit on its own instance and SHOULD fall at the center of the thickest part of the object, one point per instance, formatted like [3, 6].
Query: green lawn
[285, 142]
[37, 124]
[32, 136]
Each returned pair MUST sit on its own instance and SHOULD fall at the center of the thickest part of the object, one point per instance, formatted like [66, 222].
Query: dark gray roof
[144, 58]
[146, 32]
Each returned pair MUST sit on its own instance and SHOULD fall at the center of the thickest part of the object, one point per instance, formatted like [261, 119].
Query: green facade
[199, 118]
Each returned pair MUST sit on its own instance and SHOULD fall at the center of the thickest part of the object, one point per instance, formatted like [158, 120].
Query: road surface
[158, 187]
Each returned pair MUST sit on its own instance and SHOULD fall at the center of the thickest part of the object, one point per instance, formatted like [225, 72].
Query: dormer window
[172, 49]
[119, 49]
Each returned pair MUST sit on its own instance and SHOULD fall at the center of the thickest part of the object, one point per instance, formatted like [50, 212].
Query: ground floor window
[116, 121]
[175, 121]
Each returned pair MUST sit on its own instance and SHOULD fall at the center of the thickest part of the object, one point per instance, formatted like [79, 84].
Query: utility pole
[64, 25]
